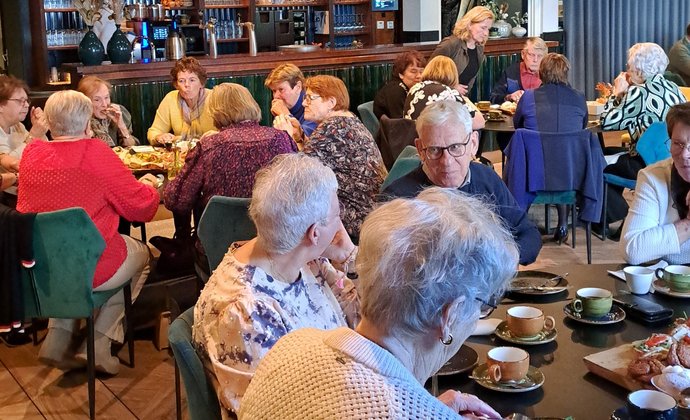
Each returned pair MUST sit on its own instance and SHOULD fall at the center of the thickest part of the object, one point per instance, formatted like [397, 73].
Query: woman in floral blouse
[279, 281]
[345, 145]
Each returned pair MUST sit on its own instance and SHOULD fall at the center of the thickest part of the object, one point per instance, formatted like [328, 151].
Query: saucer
[662, 287]
[620, 414]
[617, 314]
[533, 282]
[543, 337]
[534, 380]
[671, 390]
[464, 360]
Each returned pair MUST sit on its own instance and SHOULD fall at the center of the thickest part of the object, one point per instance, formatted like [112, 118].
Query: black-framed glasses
[455, 150]
[488, 305]
[678, 145]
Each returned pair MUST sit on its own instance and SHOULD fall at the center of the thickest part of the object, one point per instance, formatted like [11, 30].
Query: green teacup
[676, 276]
[593, 302]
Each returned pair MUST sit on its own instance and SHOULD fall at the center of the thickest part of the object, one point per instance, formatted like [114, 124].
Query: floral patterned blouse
[345, 145]
[243, 311]
[426, 93]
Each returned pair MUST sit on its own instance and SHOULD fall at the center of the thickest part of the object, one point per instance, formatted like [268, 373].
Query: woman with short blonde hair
[232, 103]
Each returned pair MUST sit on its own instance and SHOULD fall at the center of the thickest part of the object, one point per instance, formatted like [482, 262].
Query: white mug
[639, 279]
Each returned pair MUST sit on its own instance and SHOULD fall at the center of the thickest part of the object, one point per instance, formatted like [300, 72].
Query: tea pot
[176, 43]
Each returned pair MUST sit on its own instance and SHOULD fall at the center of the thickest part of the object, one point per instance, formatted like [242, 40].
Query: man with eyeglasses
[521, 75]
[446, 145]
[658, 223]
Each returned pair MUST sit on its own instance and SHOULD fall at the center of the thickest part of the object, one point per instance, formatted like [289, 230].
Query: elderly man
[679, 57]
[521, 75]
[287, 84]
[446, 145]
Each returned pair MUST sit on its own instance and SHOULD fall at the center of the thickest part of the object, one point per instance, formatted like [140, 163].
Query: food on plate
[159, 159]
[673, 379]
[645, 368]
[656, 345]
[662, 350]
[679, 354]
[508, 107]
[605, 90]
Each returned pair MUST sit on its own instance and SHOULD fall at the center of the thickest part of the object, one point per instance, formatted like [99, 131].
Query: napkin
[621, 275]
[486, 326]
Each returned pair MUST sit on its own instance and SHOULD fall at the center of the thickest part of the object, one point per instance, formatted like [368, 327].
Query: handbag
[176, 258]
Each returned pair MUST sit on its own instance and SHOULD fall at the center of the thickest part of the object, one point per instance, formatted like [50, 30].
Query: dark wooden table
[569, 389]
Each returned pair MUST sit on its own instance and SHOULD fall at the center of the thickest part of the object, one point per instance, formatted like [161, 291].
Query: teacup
[677, 277]
[527, 321]
[639, 279]
[647, 404]
[507, 364]
[483, 105]
[593, 302]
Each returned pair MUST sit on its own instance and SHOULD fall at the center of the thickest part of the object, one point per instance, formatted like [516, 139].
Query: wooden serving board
[612, 365]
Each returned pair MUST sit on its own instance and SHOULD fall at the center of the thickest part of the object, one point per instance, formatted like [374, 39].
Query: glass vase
[91, 50]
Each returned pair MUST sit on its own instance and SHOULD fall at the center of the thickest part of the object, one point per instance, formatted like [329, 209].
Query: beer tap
[210, 27]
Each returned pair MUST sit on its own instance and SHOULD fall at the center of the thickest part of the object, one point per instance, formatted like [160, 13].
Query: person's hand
[9, 162]
[341, 246]
[515, 96]
[278, 107]
[150, 180]
[165, 138]
[462, 89]
[283, 122]
[7, 180]
[114, 113]
[467, 404]
[39, 123]
[621, 84]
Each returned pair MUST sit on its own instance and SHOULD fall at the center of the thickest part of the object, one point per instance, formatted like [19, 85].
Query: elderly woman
[553, 107]
[438, 76]
[427, 266]
[184, 111]
[345, 145]
[14, 106]
[641, 96]
[75, 170]
[110, 122]
[280, 281]
[466, 45]
[658, 223]
[226, 163]
[407, 71]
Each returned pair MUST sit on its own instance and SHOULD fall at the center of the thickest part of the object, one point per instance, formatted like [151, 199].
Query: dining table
[569, 389]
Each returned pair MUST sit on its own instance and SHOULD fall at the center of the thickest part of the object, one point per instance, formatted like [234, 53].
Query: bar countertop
[263, 62]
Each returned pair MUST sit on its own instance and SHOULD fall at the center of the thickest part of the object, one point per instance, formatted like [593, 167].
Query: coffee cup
[647, 404]
[527, 321]
[639, 279]
[495, 114]
[483, 105]
[507, 364]
[676, 276]
[593, 302]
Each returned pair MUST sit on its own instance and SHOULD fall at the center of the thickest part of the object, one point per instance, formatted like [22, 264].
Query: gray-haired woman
[427, 266]
[281, 280]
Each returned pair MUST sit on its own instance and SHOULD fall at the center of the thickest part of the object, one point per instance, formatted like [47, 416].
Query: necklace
[277, 273]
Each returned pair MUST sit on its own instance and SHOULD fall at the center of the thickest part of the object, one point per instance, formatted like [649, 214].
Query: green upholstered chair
[201, 397]
[67, 246]
[366, 113]
[224, 221]
[407, 161]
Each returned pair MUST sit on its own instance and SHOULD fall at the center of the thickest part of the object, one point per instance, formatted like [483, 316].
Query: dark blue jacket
[551, 107]
[486, 184]
[297, 111]
[509, 82]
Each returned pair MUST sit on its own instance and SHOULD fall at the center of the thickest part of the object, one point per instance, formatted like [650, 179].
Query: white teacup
[639, 279]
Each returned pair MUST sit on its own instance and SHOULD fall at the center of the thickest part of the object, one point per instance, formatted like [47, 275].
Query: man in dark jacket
[521, 75]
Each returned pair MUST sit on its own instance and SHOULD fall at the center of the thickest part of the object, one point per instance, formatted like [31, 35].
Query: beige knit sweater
[336, 374]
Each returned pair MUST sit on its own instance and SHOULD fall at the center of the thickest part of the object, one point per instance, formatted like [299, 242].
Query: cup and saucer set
[527, 325]
[507, 369]
[594, 306]
[647, 404]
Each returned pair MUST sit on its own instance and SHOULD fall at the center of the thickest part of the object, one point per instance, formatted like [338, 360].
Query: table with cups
[546, 376]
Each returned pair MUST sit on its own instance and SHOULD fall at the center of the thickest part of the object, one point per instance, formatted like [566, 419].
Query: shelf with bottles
[349, 20]
[63, 29]
[228, 25]
[58, 6]
[224, 4]
[283, 3]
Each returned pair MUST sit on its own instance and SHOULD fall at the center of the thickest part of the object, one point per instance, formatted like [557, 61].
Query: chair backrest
[394, 136]
[366, 113]
[674, 77]
[652, 143]
[685, 91]
[407, 161]
[67, 246]
[224, 221]
[201, 397]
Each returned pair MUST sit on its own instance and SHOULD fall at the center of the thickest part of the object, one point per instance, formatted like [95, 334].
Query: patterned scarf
[679, 191]
[192, 116]
[101, 128]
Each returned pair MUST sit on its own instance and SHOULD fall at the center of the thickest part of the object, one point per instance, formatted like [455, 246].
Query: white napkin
[486, 326]
[621, 275]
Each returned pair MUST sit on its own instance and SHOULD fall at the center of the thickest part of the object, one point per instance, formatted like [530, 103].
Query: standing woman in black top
[466, 45]
[407, 71]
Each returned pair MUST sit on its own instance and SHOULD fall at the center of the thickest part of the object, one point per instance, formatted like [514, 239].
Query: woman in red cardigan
[76, 170]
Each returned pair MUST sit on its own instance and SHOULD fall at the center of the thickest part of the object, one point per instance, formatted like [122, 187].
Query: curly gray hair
[417, 255]
[648, 59]
[290, 194]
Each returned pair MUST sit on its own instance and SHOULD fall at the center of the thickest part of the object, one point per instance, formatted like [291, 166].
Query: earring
[448, 341]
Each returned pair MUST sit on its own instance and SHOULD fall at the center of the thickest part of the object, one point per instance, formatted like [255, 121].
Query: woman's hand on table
[468, 405]
[39, 123]
[165, 138]
[9, 162]
[515, 96]
[7, 180]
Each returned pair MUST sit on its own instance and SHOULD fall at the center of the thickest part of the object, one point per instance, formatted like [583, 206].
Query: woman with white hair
[428, 266]
[76, 170]
[279, 281]
[641, 96]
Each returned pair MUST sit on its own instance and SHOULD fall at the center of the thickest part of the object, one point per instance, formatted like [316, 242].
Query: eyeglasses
[455, 150]
[22, 101]
[308, 97]
[488, 305]
[678, 145]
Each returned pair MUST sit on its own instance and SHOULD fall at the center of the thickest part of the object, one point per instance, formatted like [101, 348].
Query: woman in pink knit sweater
[75, 170]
